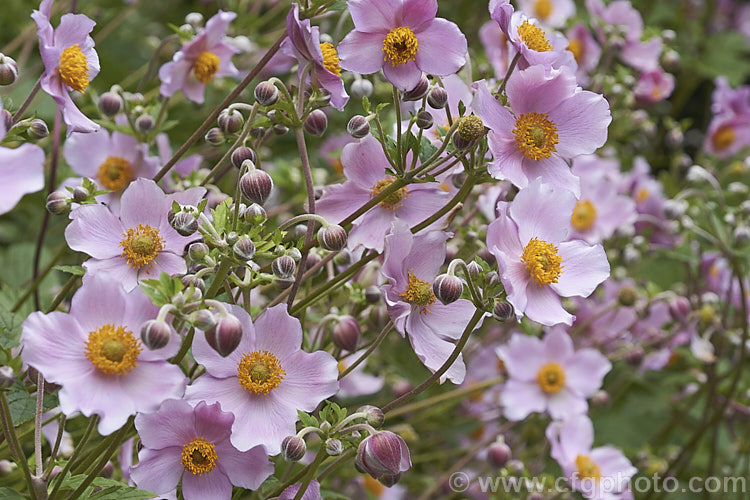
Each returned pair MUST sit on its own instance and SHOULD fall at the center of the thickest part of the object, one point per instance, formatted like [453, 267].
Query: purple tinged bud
[293, 448]
[346, 333]
[361, 88]
[401, 387]
[155, 334]
[313, 259]
[283, 267]
[343, 258]
[280, 129]
[358, 127]
[7, 118]
[241, 154]
[232, 237]
[184, 223]
[447, 288]
[58, 203]
[332, 237]
[255, 213]
[110, 103]
[492, 278]
[498, 453]
[389, 480]
[266, 94]
[145, 123]
[244, 249]
[374, 417]
[80, 193]
[425, 120]
[372, 294]
[502, 311]
[256, 186]
[225, 336]
[334, 447]
[316, 123]
[108, 470]
[197, 251]
[419, 90]
[7, 377]
[230, 122]
[191, 279]
[294, 253]
[383, 454]
[680, 308]
[601, 398]
[215, 137]
[8, 70]
[37, 129]
[203, 319]
[437, 98]
[474, 269]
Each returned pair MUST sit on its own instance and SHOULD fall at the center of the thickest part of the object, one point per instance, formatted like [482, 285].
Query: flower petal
[584, 268]
[442, 48]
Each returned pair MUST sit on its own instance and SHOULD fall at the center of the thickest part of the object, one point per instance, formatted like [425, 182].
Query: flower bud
[110, 103]
[39, 486]
[295, 253]
[437, 98]
[241, 154]
[601, 398]
[197, 251]
[627, 295]
[346, 333]
[374, 417]
[358, 127]
[184, 223]
[425, 120]
[225, 336]
[155, 334]
[293, 448]
[266, 94]
[332, 237]
[203, 319]
[419, 90]
[316, 123]
[280, 129]
[145, 123]
[680, 308]
[383, 453]
[470, 128]
[361, 88]
[244, 249]
[191, 279]
[256, 186]
[255, 213]
[80, 193]
[474, 268]
[502, 311]
[232, 237]
[372, 294]
[741, 235]
[215, 137]
[389, 480]
[194, 19]
[447, 288]
[58, 203]
[312, 260]
[7, 377]
[8, 70]
[498, 453]
[334, 447]
[492, 278]
[343, 258]
[230, 122]
[37, 129]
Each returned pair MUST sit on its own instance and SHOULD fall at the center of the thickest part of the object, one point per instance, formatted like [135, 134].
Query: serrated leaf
[23, 405]
[307, 420]
[427, 149]
[175, 206]
[74, 270]
[366, 104]
[10, 327]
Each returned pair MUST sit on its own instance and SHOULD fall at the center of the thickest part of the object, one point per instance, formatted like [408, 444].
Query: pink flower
[364, 166]
[70, 62]
[601, 473]
[95, 354]
[191, 446]
[140, 243]
[729, 130]
[549, 375]
[411, 264]
[552, 13]
[182, 169]
[201, 60]
[358, 382]
[404, 39]
[265, 380]
[537, 262]
[303, 43]
[312, 492]
[21, 171]
[653, 86]
[496, 46]
[585, 51]
[551, 119]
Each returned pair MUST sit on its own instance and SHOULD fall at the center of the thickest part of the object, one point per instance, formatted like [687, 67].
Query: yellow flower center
[551, 378]
[642, 195]
[418, 292]
[206, 66]
[330, 58]
[542, 261]
[115, 173]
[534, 37]
[342, 366]
[587, 469]
[723, 138]
[400, 46]
[373, 486]
[536, 135]
[113, 350]
[74, 69]
[393, 200]
[199, 457]
[260, 372]
[542, 9]
[576, 47]
[141, 245]
[584, 215]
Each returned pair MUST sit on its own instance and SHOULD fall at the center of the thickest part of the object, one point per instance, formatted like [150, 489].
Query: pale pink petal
[432, 350]
[362, 52]
[158, 471]
[542, 211]
[309, 379]
[173, 424]
[404, 76]
[558, 346]
[442, 48]
[585, 371]
[523, 357]
[214, 484]
[565, 404]
[375, 17]
[521, 399]
[95, 231]
[582, 122]
[246, 469]
[544, 306]
[277, 332]
[584, 267]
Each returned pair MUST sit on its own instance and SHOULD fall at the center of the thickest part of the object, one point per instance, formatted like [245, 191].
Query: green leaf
[427, 149]
[366, 104]
[10, 494]
[307, 420]
[121, 492]
[23, 405]
[74, 270]
[10, 327]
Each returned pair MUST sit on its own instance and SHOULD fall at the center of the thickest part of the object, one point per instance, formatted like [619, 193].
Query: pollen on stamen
[260, 372]
[393, 200]
[206, 66]
[113, 350]
[199, 456]
[542, 261]
[584, 215]
[74, 69]
[418, 292]
[534, 37]
[115, 173]
[141, 246]
[551, 378]
[330, 58]
[400, 46]
[536, 135]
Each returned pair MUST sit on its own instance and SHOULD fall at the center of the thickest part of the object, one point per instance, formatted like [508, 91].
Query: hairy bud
[374, 415]
[197, 251]
[244, 249]
[498, 453]
[425, 120]
[447, 288]
[8, 70]
[145, 123]
[383, 454]
[293, 448]
[58, 203]
[358, 127]
[419, 90]
[502, 311]
[334, 447]
[332, 237]
[184, 223]
[155, 334]
[203, 319]
[361, 88]
[266, 94]
[80, 193]
[7, 377]
[241, 154]
[215, 137]
[316, 123]
[37, 129]
[230, 122]
[346, 333]
[110, 103]
[225, 336]
[256, 186]
[437, 98]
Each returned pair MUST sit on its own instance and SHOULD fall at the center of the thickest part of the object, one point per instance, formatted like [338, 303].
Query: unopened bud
[332, 237]
[679, 308]
[293, 448]
[266, 94]
[7, 377]
[447, 288]
[58, 203]
[37, 129]
[244, 249]
[80, 193]
[197, 251]
[39, 486]
[425, 120]
[184, 223]
[191, 279]
[474, 268]
[6, 118]
[498, 453]
[316, 123]
[334, 447]
[215, 137]
[8, 70]
[230, 122]
[225, 336]
[361, 88]
[256, 186]
[389, 480]
[346, 333]
[374, 415]
[155, 334]
[241, 154]
[145, 123]
[255, 213]
[110, 103]
[437, 98]
[358, 127]
[280, 129]
[194, 19]
[372, 294]
[502, 311]
[470, 128]
[741, 235]
[492, 278]
[203, 319]
[419, 90]
[627, 295]
[601, 398]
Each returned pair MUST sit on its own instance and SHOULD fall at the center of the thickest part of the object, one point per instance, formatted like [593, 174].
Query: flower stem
[219, 277]
[38, 424]
[19, 113]
[369, 350]
[511, 67]
[12, 438]
[59, 478]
